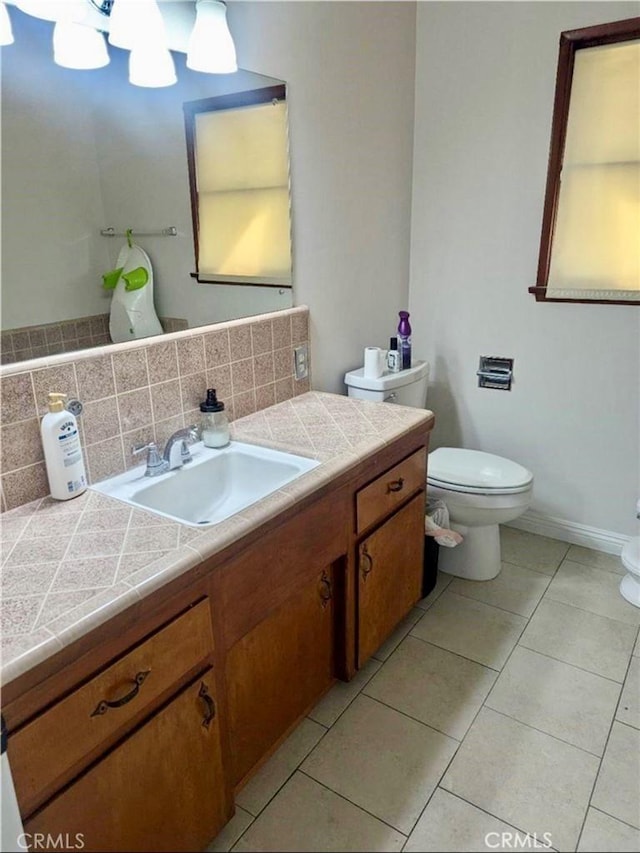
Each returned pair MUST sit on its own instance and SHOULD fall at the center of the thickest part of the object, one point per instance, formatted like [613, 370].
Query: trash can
[430, 565]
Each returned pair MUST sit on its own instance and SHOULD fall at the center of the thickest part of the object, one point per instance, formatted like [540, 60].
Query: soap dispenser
[214, 425]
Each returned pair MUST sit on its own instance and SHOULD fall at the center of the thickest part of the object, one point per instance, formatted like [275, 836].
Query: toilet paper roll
[373, 362]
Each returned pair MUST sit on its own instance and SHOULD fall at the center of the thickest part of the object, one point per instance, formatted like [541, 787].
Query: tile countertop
[67, 567]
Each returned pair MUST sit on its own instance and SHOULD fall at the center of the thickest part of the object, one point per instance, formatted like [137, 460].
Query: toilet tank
[406, 387]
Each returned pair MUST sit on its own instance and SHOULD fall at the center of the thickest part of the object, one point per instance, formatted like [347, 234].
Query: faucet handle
[185, 453]
[155, 463]
[192, 433]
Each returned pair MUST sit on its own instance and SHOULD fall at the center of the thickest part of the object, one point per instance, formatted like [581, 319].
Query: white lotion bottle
[62, 451]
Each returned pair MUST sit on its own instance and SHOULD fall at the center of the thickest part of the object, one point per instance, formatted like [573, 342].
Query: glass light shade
[151, 65]
[6, 33]
[79, 47]
[134, 21]
[211, 48]
[54, 10]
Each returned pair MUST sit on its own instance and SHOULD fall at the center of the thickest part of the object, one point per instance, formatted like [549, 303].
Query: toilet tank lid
[417, 372]
[474, 468]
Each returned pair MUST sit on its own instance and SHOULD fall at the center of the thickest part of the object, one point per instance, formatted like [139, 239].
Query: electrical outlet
[301, 361]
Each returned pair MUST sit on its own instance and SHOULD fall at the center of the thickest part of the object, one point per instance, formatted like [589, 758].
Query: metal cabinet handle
[326, 589]
[366, 560]
[103, 706]
[210, 713]
[396, 485]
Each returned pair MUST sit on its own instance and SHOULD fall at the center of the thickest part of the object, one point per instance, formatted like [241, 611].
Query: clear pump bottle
[214, 423]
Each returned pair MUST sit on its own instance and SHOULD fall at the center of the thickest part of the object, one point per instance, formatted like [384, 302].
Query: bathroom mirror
[83, 152]
[589, 247]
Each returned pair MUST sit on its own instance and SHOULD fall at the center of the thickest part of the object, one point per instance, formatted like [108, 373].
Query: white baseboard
[568, 531]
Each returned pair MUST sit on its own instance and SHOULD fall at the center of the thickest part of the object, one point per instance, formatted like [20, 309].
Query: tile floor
[505, 706]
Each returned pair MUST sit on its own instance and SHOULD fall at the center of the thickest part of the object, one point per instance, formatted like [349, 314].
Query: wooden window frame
[570, 42]
[205, 105]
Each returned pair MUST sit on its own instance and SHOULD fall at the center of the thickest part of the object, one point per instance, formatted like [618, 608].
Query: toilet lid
[631, 556]
[474, 471]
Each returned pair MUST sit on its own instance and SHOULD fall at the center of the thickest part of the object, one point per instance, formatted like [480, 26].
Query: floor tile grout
[619, 819]
[584, 609]
[489, 814]
[444, 649]
[543, 732]
[567, 663]
[414, 719]
[356, 805]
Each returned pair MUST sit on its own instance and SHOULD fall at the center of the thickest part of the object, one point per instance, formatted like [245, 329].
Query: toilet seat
[475, 472]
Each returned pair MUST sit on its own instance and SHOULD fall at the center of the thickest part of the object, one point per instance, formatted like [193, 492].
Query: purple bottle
[404, 340]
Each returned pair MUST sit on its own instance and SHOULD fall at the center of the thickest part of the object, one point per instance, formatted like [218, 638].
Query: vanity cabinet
[390, 559]
[138, 733]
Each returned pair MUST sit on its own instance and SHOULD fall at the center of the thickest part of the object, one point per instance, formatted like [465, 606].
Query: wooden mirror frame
[570, 41]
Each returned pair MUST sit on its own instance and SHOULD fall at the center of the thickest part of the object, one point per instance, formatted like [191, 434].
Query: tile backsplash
[66, 336]
[137, 392]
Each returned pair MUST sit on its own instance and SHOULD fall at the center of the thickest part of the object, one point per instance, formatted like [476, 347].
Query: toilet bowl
[480, 490]
[630, 583]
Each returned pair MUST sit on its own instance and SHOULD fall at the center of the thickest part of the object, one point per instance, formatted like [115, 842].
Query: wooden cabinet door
[279, 669]
[161, 789]
[389, 575]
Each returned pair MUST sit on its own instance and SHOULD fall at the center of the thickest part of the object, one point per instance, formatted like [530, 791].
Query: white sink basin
[214, 486]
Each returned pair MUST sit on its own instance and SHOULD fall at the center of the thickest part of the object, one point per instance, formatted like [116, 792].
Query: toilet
[630, 583]
[481, 490]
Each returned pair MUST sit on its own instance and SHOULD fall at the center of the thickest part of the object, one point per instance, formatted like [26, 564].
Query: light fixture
[54, 10]
[151, 65]
[131, 21]
[6, 33]
[134, 25]
[211, 48]
[78, 47]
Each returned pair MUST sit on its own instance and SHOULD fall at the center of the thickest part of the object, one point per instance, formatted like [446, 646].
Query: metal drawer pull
[210, 714]
[395, 485]
[326, 590]
[367, 561]
[103, 706]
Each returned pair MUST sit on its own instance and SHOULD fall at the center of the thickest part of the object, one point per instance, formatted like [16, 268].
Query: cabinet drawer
[58, 740]
[377, 500]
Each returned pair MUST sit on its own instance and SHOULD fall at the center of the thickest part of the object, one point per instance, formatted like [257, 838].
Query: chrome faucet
[176, 451]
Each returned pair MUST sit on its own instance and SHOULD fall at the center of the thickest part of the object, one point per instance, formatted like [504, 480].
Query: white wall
[349, 69]
[485, 75]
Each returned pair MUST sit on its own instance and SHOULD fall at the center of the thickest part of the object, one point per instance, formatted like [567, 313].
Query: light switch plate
[301, 361]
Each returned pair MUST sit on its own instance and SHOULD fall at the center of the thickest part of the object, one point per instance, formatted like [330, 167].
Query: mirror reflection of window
[239, 177]
[590, 247]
